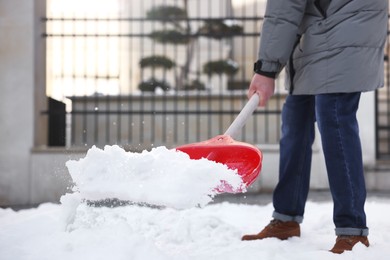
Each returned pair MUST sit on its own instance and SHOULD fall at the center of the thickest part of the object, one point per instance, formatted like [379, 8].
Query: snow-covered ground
[183, 227]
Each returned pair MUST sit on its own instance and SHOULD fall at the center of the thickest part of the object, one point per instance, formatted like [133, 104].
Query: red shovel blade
[240, 156]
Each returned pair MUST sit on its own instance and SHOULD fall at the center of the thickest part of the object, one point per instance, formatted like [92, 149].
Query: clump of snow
[73, 231]
[159, 177]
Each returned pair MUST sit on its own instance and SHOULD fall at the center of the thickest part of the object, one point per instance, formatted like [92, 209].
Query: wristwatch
[257, 69]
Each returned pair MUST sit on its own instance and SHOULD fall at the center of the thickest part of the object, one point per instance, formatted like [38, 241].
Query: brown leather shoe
[278, 229]
[346, 243]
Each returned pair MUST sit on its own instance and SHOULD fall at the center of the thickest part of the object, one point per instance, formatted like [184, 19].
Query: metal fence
[160, 72]
[382, 114]
[155, 72]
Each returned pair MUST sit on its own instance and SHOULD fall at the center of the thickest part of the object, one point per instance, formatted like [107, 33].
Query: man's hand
[263, 86]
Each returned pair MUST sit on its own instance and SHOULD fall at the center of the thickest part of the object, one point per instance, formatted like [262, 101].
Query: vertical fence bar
[130, 76]
[119, 46]
[142, 51]
[199, 69]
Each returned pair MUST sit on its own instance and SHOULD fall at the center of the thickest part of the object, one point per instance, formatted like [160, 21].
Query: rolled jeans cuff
[351, 232]
[285, 218]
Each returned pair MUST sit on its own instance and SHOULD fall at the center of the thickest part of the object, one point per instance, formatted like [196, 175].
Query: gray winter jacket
[329, 46]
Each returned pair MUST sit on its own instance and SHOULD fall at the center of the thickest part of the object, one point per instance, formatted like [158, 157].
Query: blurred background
[141, 74]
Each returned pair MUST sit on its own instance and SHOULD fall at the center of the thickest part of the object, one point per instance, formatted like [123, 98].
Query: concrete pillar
[17, 42]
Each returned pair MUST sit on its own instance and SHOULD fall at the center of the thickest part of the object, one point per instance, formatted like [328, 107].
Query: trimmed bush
[166, 12]
[228, 67]
[151, 85]
[157, 61]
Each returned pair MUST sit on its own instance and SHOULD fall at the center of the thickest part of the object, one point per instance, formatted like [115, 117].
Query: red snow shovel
[240, 156]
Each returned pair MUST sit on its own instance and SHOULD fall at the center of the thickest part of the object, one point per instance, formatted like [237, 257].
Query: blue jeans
[336, 118]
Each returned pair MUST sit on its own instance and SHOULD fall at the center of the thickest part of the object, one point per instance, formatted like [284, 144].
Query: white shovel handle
[243, 116]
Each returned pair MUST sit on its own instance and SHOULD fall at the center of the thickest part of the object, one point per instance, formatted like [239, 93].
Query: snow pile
[76, 230]
[159, 177]
[73, 231]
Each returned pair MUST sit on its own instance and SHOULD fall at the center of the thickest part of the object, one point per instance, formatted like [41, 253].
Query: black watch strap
[257, 69]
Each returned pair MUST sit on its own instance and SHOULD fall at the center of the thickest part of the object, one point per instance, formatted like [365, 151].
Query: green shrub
[151, 85]
[170, 36]
[157, 61]
[228, 67]
[194, 85]
[218, 29]
[166, 12]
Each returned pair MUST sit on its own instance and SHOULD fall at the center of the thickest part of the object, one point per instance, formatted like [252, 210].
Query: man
[333, 51]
